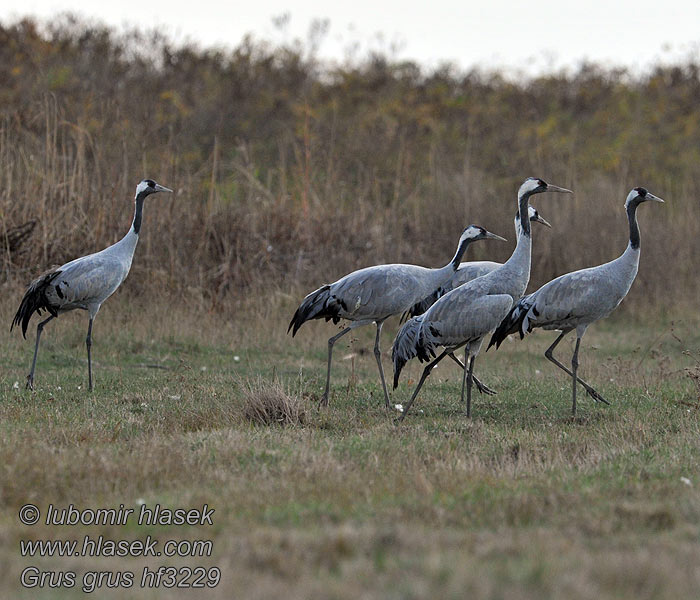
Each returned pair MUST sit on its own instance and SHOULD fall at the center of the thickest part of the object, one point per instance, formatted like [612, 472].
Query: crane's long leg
[470, 376]
[378, 356]
[464, 370]
[574, 368]
[482, 387]
[39, 329]
[589, 390]
[467, 379]
[331, 341]
[88, 344]
[423, 377]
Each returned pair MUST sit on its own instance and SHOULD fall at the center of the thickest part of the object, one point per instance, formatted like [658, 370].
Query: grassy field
[288, 172]
[520, 502]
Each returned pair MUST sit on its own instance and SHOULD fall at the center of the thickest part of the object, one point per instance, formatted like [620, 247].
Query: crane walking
[464, 316]
[83, 283]
[578, 299]
[373, 294]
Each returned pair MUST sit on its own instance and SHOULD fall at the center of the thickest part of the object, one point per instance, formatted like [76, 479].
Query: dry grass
[694, 374]
[520, 503]
[269, 403]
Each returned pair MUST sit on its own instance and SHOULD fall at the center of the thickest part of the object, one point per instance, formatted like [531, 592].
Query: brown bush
[289, 173]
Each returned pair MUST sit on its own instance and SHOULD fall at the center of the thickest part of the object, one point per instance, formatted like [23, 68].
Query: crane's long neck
[635, 238]
[627, 265]
[138, 214]
[523, 247]
[514, 275]
[443, 274]
[129, 241]
[461, 249]
[523, 204]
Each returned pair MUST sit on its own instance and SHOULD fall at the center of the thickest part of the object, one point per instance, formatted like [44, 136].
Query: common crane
[578, 299]
[83, 283]
[373, 294]
[467, 271]
[464, 316]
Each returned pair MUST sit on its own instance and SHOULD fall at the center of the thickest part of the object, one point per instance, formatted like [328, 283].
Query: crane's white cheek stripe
[528, 186]
[141, 187]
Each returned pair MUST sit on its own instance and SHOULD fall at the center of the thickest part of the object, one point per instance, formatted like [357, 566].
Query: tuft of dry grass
[267, 402]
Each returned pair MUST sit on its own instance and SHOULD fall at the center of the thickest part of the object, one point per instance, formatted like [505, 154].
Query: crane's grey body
[575, 300]
[464, 316]
[376, 293]
[84, 283]
[468, 271]
[373, 294]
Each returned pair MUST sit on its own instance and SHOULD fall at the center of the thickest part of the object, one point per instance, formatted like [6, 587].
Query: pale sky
[530, 37]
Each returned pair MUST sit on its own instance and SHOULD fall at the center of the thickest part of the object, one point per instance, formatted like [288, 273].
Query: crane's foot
[483, 388]
[323, 402]
[595, 395]
[30, 382]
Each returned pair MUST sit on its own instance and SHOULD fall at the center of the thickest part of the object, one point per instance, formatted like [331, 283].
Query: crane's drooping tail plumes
[412, 341]
[34, 300]
[517, 321]
[317, 305]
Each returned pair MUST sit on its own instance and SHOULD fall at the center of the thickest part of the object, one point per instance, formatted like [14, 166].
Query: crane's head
[474, 232]
[148, 186]
[534, 185]
[639, 195]
[534, 217]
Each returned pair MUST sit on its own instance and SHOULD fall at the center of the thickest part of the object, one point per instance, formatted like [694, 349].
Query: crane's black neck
[138, 212]
[461, 249]
[634, 228]
[523, 204]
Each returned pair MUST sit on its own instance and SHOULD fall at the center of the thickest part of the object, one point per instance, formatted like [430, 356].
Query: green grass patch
[521, 501]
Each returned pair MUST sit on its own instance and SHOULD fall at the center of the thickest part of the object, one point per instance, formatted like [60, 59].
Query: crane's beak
[650, 196]
[493, 236]
[541, 220]
[162, 188]
[554, 188]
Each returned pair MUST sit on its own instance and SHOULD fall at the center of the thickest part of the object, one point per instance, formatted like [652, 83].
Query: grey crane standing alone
[374, 294]
[467, 314]
[83, 283]
[468, 271]
[577, 299]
